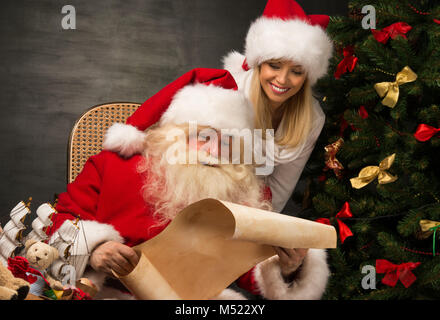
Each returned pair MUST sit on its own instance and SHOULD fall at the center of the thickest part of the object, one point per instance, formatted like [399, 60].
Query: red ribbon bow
[344, 125]
[394, 272]
[348, 63]
[19, 266]
[425, 132]
[344, 230]
[398, 28]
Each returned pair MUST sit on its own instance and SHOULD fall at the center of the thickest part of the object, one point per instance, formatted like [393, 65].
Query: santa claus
[130, 191]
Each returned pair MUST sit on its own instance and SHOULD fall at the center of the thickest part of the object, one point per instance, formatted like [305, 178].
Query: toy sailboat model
[11, 237]
[68, 265]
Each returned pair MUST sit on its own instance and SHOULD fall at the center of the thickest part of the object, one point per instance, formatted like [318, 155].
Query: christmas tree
[375, 171]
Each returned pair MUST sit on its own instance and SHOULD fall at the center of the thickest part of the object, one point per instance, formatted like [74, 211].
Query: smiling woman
[286, 52]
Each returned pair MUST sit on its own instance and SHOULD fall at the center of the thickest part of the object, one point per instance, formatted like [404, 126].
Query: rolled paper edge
[146, 283]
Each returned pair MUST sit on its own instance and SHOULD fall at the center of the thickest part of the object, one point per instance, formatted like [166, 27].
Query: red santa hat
[206, 96]
[285, 31]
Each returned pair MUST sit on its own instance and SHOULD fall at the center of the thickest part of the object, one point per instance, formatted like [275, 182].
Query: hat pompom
[124, 139]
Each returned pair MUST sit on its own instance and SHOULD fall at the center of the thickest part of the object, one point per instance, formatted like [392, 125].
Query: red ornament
[344, 125]
[392, 31]
[363, 112]
[344, 230]
[436, 21]
[348, 63]
[425, 132]
[394, 272]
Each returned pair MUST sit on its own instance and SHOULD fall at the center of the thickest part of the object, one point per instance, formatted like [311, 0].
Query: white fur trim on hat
[211, 106]
[294, 40]
[309, 284]
[233, 62]
[124, 139]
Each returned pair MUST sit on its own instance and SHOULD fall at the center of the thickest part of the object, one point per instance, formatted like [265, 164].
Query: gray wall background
[120, 51]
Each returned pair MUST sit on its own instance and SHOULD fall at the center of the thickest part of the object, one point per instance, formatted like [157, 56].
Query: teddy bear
[40, 256]
[12, 288]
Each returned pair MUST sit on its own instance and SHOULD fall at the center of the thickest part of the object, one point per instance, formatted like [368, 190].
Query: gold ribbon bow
[368, 174]
[426, 226]
[391, 89]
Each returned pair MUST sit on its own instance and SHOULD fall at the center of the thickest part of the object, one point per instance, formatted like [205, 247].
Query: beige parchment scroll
[211, 243]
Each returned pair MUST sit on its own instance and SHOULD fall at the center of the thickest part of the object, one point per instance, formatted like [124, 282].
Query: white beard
[172, 187]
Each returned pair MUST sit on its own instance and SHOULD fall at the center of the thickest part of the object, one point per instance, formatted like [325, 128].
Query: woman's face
[281, 80]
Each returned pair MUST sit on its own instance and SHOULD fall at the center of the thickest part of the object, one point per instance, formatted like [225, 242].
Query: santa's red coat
[107, 197]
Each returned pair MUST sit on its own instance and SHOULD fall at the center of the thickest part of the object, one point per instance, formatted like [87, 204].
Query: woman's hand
[290, 260]
[114, 256]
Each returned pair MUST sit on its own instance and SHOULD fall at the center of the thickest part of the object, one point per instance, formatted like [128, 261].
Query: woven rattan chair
[88, 132]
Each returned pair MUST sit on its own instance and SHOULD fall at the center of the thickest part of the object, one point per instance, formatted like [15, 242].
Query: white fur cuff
[124, 139]
[310, 283]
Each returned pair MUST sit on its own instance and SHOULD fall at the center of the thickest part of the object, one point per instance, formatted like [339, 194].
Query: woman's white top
[289, 162]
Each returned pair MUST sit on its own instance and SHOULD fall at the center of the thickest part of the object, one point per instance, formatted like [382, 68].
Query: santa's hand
[114, 256]
[290, 260]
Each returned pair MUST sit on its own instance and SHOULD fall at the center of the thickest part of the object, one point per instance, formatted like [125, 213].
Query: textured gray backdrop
[120, 51]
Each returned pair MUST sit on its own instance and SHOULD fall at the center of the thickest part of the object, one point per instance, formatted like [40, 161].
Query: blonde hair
[297, 115]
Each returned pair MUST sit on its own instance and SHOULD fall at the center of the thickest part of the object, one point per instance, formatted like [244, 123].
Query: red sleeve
[81, 197]
[247, 282]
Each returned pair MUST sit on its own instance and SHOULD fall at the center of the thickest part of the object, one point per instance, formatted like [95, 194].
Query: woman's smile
[279, 90]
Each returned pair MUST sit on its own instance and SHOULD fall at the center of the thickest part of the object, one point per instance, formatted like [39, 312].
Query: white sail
[38, 228]
[18, 208]
[18, 214]
[11, 236]
[41, 222]
[68, 232]
[44, 213]
[13, 233]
